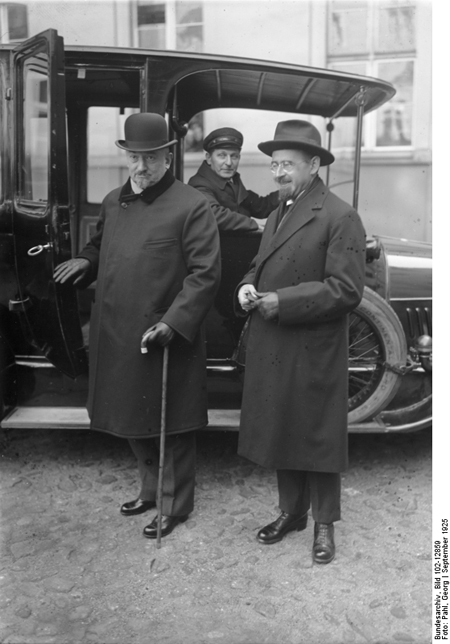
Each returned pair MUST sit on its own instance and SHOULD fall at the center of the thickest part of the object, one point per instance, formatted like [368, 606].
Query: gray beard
[284, 192]
[142, 182]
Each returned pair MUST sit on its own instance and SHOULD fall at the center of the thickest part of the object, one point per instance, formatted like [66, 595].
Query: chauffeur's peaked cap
[224, 137]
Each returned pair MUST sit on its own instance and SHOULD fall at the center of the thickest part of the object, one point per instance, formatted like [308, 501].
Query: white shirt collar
[135, 188]
[289, 202]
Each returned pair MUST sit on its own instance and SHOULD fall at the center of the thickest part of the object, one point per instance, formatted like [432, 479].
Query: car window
[2, 129]
[33, 151]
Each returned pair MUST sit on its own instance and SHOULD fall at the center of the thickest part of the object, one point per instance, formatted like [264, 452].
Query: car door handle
[35, 250]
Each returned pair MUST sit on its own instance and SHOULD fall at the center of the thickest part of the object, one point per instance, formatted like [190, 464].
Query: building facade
[389, 39]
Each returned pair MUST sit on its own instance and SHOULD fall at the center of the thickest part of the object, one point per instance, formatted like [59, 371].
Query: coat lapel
[242, 192]
[302, 213]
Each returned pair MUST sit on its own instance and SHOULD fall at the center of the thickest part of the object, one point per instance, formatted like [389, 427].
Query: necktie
[290, 202]
[286, 210]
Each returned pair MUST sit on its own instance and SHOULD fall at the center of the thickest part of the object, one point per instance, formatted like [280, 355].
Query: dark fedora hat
[297, 135]
[145, 132]
[224, 137]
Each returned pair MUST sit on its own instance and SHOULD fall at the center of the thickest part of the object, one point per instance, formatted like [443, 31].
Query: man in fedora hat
[156, 259]
[219, 180]
[308, 275]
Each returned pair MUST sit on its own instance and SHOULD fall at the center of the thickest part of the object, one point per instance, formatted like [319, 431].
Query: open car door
[41, 224]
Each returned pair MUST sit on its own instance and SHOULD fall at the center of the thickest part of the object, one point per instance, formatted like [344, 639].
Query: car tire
[377, 352]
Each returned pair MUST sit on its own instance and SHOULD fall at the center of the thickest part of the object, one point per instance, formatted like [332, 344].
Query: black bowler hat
[224, 137]
[145, 132]
[297, 135]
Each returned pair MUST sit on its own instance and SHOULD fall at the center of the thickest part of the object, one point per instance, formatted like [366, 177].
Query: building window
[13, 22]
[395, 27]
[348, 29]
[151, 20]
[175, 24]
[394, 119]
[376, 38]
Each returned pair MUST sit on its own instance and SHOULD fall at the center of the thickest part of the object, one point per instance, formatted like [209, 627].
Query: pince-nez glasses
[285, 166]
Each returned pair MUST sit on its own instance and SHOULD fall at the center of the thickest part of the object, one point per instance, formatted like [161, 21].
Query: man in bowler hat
[307, 277]
[156, 259]
[219, 180]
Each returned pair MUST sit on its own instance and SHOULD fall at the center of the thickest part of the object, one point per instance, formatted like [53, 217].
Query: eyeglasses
[287, 166]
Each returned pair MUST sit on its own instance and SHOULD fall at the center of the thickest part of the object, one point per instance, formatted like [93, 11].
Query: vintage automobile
[48, 93]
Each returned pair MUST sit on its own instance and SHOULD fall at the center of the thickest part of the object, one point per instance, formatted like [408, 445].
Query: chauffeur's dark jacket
[232, 206]
[153, 262]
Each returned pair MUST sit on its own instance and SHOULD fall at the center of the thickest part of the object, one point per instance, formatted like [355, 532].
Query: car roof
[206, 81]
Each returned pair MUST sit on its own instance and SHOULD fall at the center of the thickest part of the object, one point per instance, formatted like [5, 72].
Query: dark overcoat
[158, 261]
[294, 408]
[233, 207]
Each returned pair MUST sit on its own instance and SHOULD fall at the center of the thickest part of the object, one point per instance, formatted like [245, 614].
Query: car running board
[77, 418]
[219, 419]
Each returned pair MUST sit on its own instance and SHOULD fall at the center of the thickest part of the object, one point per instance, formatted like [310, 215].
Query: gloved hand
[247, 296]
[161, 333]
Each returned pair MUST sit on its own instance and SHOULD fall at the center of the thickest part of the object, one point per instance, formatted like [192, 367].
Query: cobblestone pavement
[73, 570]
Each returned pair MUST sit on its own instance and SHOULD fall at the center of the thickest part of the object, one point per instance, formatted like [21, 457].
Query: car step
[77, 418]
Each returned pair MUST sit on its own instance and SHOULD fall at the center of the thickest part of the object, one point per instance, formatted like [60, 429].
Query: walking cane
[162, 442]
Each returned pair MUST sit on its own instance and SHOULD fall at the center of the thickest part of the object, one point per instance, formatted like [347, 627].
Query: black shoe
[323, 547]
[167, 525]
[285, 523]
[138, 506]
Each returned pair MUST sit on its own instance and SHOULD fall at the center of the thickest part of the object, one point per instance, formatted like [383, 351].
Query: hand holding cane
[163, 334]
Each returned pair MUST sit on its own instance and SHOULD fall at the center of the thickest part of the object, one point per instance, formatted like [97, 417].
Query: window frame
[5, 22]
[170, 24]
[372, 60]
[370, 120]
[39, 207]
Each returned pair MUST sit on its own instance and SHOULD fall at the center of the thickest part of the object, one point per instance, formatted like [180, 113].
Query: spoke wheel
[376, 340]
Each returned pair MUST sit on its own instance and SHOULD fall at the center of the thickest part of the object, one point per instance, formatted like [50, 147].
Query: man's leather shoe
[167, 525]
[285, 523]
[138, 506]
[323, 547]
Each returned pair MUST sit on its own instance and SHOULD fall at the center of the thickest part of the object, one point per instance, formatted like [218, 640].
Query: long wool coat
[233, 208]
[294, 409]
[158, 261]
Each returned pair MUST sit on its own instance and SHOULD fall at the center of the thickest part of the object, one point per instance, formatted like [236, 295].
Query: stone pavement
[74, 571]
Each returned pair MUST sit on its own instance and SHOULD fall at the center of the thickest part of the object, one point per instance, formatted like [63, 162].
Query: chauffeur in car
[219, 180]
